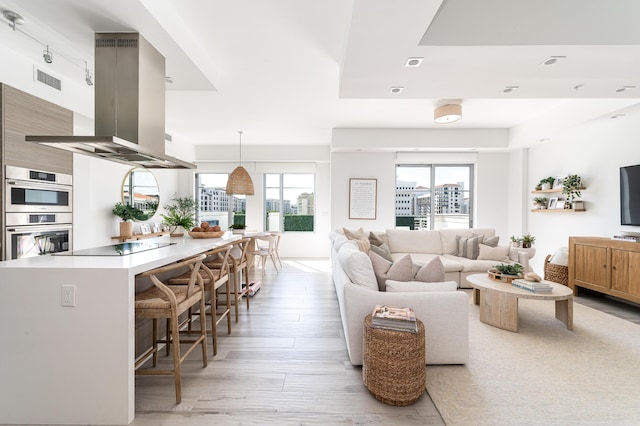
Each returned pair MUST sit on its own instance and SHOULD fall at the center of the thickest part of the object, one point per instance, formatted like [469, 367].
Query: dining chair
[169, 302]
[276, 250]
[213, 281]
[265, 248]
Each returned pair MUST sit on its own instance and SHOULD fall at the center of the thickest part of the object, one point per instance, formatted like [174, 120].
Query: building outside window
[215, 206]
[289, 202]
[430, 196]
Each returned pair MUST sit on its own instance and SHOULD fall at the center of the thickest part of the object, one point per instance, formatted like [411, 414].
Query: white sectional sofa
[444, 313]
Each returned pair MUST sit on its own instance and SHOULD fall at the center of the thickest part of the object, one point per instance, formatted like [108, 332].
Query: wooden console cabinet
[605, 265]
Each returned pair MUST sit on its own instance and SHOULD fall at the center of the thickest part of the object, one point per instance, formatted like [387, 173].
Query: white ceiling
[287, 72]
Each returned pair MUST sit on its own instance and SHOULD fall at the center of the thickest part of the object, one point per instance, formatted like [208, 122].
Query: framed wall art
[363, 198]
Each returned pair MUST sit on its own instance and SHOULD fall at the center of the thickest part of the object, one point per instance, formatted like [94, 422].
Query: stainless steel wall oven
[38, 212]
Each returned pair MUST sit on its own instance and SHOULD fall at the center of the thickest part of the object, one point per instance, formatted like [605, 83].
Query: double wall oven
[38, 212]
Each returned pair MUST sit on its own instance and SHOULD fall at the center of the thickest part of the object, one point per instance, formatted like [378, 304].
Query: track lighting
[47, 55]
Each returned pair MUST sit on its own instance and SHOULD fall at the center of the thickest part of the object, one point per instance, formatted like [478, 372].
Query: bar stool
[265, 250]
[168, 301]
[238, 262]
[213, 280]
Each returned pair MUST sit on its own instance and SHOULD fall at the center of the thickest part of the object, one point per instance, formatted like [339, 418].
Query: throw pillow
[401, 270]
[468, 246]
[415, 286]
[354, 235]
[493, 253]
[357, 266]
[359, 237]
[491, 241]
[431, 272]
[383, 251]
[375, 240]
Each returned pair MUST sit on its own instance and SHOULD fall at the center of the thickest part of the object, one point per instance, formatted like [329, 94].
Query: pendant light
[239, 181]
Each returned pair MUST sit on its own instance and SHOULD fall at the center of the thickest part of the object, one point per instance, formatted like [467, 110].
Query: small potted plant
[540, 203]
[545, 183]
[528, 240]
[571, 186]
[238, 228]
[515, 241]
[127, 213]
[180, 213]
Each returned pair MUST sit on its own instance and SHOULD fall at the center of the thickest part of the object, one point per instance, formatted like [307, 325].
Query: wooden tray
[496, 276]
[206, 234]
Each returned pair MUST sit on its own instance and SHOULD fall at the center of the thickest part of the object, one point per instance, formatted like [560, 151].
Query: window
[289, 202]
[434, 196]
[214, 205]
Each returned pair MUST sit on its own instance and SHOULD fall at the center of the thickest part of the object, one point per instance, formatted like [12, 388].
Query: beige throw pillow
[375, 240]
[468, 246]
[431, 272]
[383, 251]
[401, 270]
[491, 241]
[359, 237]
[493, 253]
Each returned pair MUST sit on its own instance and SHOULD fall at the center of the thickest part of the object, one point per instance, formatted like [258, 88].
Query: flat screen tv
[630, 195]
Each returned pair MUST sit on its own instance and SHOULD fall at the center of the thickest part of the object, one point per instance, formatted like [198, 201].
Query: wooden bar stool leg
[236, 283]
[175, 333]
[246, 279]
[214, 329]
[155, 342]
[168, 338]
[203, 333]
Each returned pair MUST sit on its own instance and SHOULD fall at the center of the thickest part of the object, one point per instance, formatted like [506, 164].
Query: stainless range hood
[129, 106]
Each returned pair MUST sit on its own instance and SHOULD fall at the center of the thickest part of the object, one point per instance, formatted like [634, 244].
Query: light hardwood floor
[284, 363]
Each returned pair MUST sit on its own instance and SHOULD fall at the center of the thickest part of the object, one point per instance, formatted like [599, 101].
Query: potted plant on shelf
[180, 215]
[540, 203]
[238, 228]
[127, 213]
[545, 183]
[528, 240]
[515, 241]
[571, 186]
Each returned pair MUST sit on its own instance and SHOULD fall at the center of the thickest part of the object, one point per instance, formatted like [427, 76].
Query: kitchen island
[75, 364]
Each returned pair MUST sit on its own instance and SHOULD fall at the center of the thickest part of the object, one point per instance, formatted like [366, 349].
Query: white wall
[595, 151]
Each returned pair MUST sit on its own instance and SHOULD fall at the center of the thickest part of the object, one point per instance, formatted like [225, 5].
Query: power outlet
[68, 295]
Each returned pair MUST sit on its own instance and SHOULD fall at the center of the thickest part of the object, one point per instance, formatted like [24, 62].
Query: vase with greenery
[546, 183]
[571, 186]
[127, 213]
[540, 203]
[505, 269]
[180, 213]
[515, 241]
[528, 240]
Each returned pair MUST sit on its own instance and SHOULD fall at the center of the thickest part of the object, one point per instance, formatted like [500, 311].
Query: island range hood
[129, 106]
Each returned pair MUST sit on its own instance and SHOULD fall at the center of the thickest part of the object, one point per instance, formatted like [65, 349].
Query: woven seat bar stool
[168, 301]
[239, 264]
[213, 281]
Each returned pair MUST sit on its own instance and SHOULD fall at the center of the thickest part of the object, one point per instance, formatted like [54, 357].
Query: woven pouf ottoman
[394, 364]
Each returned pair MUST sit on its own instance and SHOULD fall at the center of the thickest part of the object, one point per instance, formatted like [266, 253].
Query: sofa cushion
[449, 262]
[405, 241]
[493, 253]
[401, 270]
[357, 266]
[360, 237]
[449, 241]
[468, 246]
[375, 240]
[383, 251]
[491, 241]
[431, 272]
[414, 286]
[469, 265]
[354, 235]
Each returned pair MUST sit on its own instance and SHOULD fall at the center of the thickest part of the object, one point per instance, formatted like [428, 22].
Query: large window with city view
[289, 202]
[215, 206]
[434, 196]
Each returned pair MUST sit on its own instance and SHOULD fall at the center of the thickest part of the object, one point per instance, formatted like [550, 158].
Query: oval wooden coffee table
[499, 301]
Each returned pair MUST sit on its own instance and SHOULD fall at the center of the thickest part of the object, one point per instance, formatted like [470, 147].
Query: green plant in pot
[515, 241]
[540, 202]
[528, 240]
[180, 213]
[505, 269]
[127, 213]
[546, 183]
[571, 186]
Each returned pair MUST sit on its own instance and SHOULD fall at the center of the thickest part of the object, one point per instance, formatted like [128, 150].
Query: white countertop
[136, 262]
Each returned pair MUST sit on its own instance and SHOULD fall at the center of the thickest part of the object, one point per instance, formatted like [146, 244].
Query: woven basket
[556, 273]
[394, 364]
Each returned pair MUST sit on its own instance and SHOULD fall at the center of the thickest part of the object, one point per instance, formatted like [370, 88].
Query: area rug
[544, 374]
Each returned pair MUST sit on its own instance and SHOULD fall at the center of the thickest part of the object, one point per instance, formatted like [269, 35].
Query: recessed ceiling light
[509, 89]
[625, 88]
[552, 60]
[168, 79]
[544, 139]
[578, 87]
[413, 62]
[396, 90]
[617, 116]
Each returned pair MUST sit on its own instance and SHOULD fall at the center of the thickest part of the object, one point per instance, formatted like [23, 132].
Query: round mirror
[140, 189]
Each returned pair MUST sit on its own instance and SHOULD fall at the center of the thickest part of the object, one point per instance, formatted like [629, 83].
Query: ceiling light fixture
[88, 77]
[13, 18]
[448, 113]
[396, 90]
[47, 55]
[413, 62]
[509, 89]
[552, 60]
[239, 181]
[614, 116]
[624, 89]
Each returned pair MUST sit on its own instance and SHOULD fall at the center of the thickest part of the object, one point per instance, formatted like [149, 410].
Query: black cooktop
[122, 249]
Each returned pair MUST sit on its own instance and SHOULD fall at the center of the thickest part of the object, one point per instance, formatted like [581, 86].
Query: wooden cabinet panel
[591, 265]
[605, 265]
[24, 114]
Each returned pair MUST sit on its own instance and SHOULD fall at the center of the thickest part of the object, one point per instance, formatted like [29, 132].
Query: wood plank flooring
[285, 363]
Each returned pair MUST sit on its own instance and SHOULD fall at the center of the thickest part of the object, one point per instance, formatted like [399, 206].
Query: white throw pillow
[416, 286]
[560, 257]
[493, 253]
[357, 266]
